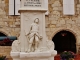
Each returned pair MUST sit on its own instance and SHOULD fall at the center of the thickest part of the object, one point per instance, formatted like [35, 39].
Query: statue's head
[36, 20]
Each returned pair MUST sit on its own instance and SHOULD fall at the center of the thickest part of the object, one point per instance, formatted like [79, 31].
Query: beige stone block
[78, 24]
[55, 8]
[51, 18]
[10, 17]
[70, 21]
[50, 38]
[51, 1]
[7, 50]
[52, 25]
[6, 9]
[17, 20]
[52, 29]
[2, 5]
[67, 18]
[78, 5]
[2, 50]
[74, 18]
[3, 1]
[6, 1]
[53, 22]
[69, 26]
[6, 17]
[0, 1]
[62, 21]
[77, 12]
[47, 29]
[56, 3]
[48, 21]
[10, 20]
[17, 26]
[51, 15]
[13, 33]
[48, 32]
[46, 25]
[78, 9]
[56, 15]
[46, 18]
[5, 20]
[1, 23]
[6, 24]
[17, 23]
[1, 47]
[14, 26]
[17, 29]
[60, 8]
[58, 25]
[10, 23]
[77, 21]
[18, 17]
[63, 26]
[1, 19]
[1, 12]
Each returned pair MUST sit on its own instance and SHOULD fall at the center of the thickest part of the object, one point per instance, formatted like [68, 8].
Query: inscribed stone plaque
[32, 3]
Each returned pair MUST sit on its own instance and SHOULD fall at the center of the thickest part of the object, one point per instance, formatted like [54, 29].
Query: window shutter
[46, 6]
[68, 7]
[11, 7]
[17, 6]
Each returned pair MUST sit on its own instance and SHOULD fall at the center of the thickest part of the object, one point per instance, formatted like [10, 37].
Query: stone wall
[57, 21]
[5, 51]
[9, 25]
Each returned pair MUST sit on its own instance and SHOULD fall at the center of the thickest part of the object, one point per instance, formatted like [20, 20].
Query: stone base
[33, 55]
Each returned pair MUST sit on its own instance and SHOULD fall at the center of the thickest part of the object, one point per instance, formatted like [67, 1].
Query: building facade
[56, 21]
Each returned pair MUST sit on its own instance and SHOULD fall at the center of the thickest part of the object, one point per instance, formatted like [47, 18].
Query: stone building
[59, 27]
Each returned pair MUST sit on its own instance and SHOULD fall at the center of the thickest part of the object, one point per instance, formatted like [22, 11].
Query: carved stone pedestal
[33, 43]
[33, 55]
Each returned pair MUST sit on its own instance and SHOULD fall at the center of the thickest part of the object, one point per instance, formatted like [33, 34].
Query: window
[68, 7]
[46, 6]
[14, 6]
[11, 7]
[17, 6]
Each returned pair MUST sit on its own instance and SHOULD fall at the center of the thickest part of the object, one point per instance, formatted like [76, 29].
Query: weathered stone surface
[78, 5]
[53, 22]
[56, 4]
[62, 21]
[5, 50]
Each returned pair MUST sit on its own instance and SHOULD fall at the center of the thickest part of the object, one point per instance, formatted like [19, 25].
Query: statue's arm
[28, 32]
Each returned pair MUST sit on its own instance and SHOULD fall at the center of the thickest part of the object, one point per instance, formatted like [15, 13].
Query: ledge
[32, 9]
[35, 55]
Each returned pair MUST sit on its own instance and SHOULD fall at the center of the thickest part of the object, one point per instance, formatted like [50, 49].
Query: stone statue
[16, 46]
[34, 36]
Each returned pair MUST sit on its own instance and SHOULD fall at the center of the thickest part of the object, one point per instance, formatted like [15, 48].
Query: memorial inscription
[32, 3]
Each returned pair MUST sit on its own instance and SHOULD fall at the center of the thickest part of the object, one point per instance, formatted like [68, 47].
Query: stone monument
[32, 43]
